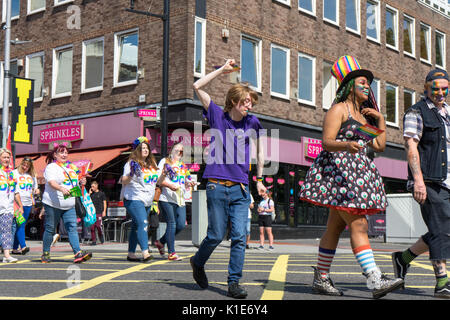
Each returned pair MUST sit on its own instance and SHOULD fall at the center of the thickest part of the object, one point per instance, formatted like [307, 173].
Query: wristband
[259, 179]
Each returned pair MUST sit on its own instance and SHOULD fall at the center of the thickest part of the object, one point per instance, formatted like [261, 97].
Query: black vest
[433, 144]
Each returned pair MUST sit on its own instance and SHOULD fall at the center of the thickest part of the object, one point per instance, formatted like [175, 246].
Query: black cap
[436, 74]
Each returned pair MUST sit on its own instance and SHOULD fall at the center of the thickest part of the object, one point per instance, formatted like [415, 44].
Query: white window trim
[83, 66]
[393, 124]
[377, 97]
[358, 19]
[334, 84]
[313, 80]
[258, 88]
[35, 11]
[312, 13]
[377, 21]
[55, 73]
[413, 95]
[27, 70]
[117, 84]
[336, 23]
[428, 41]
[4, 13]
[413, 36]
[288, 68]
[61, 2]
[286, 2]
[444, 49]
[395, 12]
[202, 63]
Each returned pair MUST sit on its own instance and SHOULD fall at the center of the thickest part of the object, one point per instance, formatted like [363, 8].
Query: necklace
[10, 176]
[68, 165]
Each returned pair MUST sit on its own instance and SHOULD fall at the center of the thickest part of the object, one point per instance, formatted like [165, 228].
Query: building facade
[95, 64]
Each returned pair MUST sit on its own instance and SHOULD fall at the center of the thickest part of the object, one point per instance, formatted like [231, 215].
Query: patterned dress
[345, 181]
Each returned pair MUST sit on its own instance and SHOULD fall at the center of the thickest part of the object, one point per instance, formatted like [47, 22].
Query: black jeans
[436, 215]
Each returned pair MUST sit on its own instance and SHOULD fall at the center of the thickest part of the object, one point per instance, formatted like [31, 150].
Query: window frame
[395, 22]
[333, 83]
[378, 86]
[4, 11]
[203, 49]
[358, 18]
[313, 79]
[285, 2]
[258, 63]
[27, 71]
[389, 123]
[29, 12]
[336, 23]
[377, 13]
[287, 80]
[83, 65]
[413, 97]
[55, 69]
[428, 43]
[57, 3]
[413, 35]
[116, 83]
[312, 13]
[444, 49]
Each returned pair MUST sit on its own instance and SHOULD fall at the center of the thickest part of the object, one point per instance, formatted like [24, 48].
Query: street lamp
[6, 75]
[165, 87]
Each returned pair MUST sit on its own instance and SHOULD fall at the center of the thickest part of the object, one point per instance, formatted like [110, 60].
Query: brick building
[95, 64]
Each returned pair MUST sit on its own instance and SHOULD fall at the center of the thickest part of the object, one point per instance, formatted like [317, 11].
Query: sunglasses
[28, 159]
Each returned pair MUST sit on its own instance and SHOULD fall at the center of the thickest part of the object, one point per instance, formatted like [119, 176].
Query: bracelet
[259, 179]
[155, 202]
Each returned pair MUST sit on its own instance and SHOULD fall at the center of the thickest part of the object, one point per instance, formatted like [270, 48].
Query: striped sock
[408, 256]
[364, 256]
[324, 260]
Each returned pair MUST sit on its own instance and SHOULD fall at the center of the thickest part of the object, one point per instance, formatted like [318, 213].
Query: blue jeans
[19, 232]
[139, 224]
[176, 221]
[52, 218]
[226, 203]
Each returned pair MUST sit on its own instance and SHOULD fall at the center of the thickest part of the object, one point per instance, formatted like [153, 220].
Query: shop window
[92, 68]
[409, 35]
[34, 69]
[126, 58]
[331, 11]
[352, 16]
[62, 72]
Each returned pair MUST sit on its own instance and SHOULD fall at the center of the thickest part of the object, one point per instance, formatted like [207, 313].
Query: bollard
[199, 217]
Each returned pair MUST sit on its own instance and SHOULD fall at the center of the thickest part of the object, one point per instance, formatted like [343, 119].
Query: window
[306, 79]
[408, 99]
[440, 49]
[308, 6]
[391, 27]
[425, 43]
[126, 58]
[331, 11]
[329, 86]
[251, 61]
[34, 69]
[35, 6]
[92, 65]
[286, 2]
[373, 20]
[409, 36]
[60, 2]
[15, 10]
[391, 104]
[375, 86]
[62, 72]
[279, 72]
[199, 47]
[352, 16]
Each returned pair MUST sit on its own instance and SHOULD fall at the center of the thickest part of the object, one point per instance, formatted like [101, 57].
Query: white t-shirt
[25, 186]
[6, 194]
[54, 198]
[141, 187]
[266, 204]
[167, 195]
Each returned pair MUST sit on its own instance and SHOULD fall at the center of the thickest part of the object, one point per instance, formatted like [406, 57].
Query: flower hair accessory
[138, 141]
[56, 145]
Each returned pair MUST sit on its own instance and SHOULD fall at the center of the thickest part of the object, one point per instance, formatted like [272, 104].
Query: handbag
[80, 208]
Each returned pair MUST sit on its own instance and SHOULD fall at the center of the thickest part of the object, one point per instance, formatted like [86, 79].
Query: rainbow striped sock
[324, 260]
[364, 256]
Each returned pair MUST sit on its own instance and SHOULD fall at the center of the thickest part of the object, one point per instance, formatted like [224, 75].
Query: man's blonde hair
[238, 93]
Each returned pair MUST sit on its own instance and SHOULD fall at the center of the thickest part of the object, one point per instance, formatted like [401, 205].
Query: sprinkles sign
[313, 147]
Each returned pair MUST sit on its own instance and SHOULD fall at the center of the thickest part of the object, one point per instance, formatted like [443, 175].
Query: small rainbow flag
[368, 131]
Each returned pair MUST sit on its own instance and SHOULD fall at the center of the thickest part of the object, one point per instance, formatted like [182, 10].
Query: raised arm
[204, 97]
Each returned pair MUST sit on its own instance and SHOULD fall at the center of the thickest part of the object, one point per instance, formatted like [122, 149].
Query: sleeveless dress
[345, 181]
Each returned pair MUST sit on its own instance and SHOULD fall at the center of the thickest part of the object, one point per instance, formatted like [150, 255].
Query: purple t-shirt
[228, 157]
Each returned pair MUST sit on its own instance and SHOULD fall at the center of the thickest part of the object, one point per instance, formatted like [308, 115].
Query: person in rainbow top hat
[139, 180]
[344, 179]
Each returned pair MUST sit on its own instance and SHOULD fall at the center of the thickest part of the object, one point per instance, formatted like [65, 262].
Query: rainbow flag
[369, 132]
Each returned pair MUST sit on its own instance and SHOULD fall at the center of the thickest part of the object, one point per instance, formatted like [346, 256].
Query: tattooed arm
[420, 191]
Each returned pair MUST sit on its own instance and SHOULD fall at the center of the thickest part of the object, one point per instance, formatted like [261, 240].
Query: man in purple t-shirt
[227, 169]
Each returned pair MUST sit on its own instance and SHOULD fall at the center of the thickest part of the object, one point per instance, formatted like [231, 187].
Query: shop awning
[97, 157]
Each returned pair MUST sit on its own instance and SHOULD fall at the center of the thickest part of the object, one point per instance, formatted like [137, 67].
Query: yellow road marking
[277, 278]
[96, 281]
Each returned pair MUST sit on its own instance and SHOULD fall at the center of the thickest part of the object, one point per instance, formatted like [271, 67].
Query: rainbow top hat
[347, 68]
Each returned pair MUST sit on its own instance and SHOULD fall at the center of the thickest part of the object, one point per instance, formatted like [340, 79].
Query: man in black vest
[426, 129]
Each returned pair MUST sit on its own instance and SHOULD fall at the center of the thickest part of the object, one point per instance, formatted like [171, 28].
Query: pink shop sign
[313, 147]
[66, 131]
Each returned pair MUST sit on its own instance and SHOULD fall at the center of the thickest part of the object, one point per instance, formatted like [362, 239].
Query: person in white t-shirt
[139, 180]
[8, 194]
[265, 209]
[60, 177]
[172, 199]
[27, 187]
